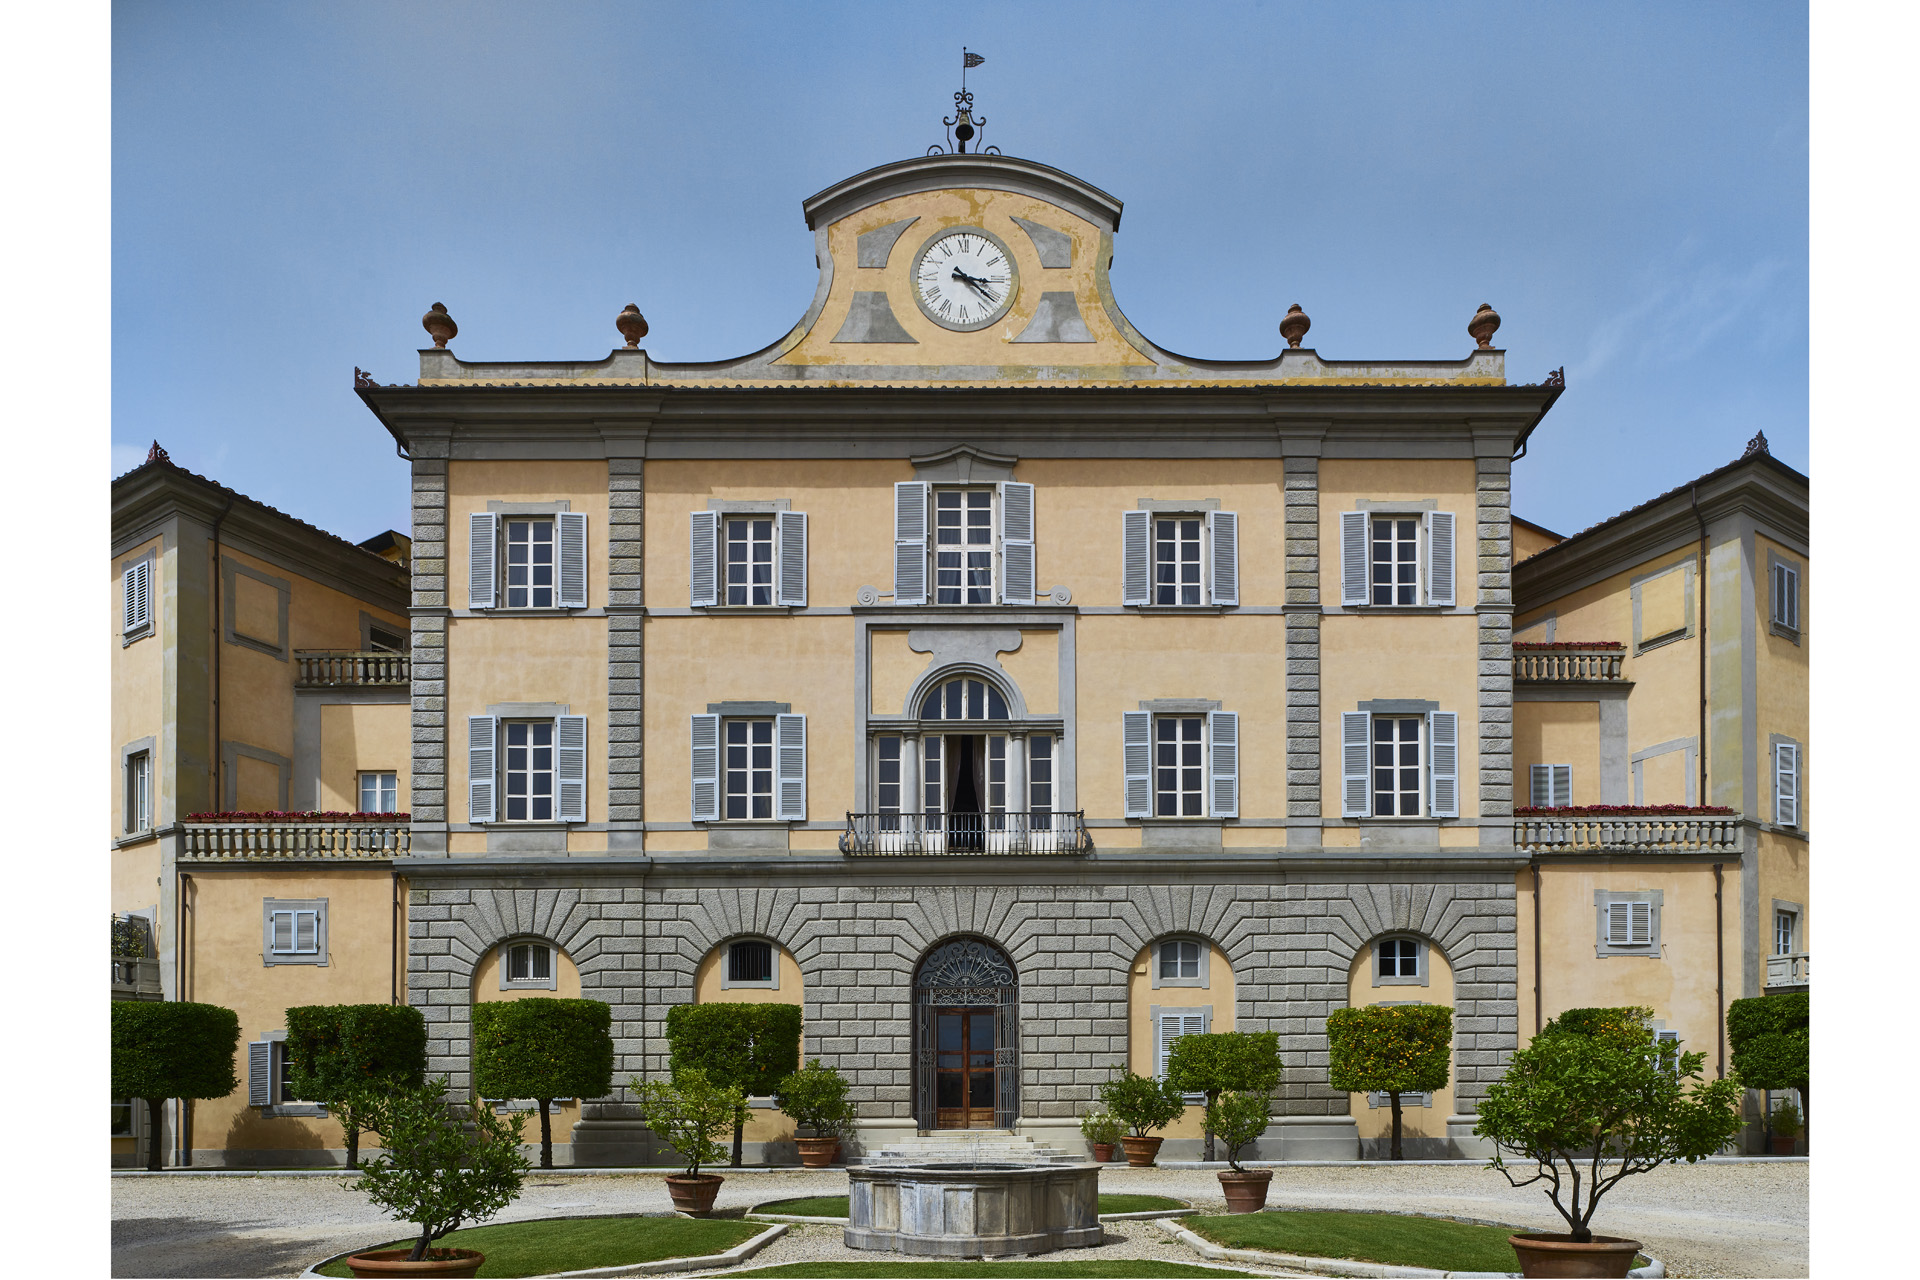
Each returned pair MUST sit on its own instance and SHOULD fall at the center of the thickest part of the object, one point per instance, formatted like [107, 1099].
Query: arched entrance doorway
[966, 1003]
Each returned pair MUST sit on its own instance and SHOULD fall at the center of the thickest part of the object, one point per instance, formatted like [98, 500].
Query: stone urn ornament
[439, 325]
[1294, 325]
[1483, 324]
[632, 325]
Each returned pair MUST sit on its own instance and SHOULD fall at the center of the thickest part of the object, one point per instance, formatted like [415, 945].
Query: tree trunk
[739, 1128]
[1208, 1153]
[1396, 1125]
[420, 1245]
[153, 1134]
[1806, 1118]
[353, 1146]
[546, 1135]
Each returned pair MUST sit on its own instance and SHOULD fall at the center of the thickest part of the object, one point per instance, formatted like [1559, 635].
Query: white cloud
[1677, 316]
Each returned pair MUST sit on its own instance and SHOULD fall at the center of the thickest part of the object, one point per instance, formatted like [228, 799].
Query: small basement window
[750, 962]
[527, 964]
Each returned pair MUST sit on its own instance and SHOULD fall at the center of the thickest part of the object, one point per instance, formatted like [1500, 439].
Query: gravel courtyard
[1745, 1219]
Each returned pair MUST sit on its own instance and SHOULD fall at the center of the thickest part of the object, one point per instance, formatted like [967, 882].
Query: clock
[964, 278]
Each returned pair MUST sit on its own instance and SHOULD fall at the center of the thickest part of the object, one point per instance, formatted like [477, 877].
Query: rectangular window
[530, 564]
[934, 774]
[529, 962]
[529, 791]
[963, 546]
[1396, 766]
[1180, 958]
[886, 798]
[1552, 785]
[1630, 924]
[1399, 958]
[1783, 931]
[1176, 560]
[749, 552]
[380, 640]
[139, 816]
[1179, 770]
[750, 961]
[1394, 560]
[138, 613]
[379, 793]
[123, 1117]
[294, 932]
[1786, 596]
[1040, 778]
[997, 773]
[749, 768]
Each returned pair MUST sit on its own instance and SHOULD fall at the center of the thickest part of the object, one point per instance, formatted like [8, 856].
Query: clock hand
[979, 286]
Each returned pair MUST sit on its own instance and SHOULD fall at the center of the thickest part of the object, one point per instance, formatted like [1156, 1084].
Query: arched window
[964, 698]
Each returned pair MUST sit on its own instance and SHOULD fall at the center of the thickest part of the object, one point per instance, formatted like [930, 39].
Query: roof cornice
[944, 172]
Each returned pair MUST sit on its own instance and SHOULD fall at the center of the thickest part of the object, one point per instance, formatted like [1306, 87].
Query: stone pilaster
[1494, 605]
[428, 787]
[1302, 491]
[626, 501]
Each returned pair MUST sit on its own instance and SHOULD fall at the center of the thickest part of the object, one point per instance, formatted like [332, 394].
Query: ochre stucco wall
[1557, 733]
[1142, 996]
[1364, 658]
[472, 484]
[1415, 1122]
[363, 736]
[138, 675]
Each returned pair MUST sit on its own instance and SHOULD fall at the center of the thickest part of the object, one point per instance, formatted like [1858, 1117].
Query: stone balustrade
[1558, 664]
[1632, 833]
[1787, 970]
[294, 841]
[329, 668]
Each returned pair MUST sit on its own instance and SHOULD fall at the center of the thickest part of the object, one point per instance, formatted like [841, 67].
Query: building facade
[1013, 695]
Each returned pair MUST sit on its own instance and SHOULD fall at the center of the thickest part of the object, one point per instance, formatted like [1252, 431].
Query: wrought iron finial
[964, 126]
[1558, 378]
[361, 378]
[1756, 445]
[157, 454]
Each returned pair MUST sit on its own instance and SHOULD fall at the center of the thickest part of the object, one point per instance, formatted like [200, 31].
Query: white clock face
[964, 279]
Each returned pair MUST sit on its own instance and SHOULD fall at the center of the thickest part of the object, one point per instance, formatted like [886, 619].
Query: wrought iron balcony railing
[294, 841]
[1787, 970]
[1573, 831]
[1578, 663]
[964, 834]
[327, 668]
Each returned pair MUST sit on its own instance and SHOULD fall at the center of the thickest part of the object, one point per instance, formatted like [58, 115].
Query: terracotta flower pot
[1561, 1255]
[818, 1153]
[694, 1195]
[1246, 1190]
[1103, 1152]
[1141, 1151]
[393, 1262]
[1783, 1143]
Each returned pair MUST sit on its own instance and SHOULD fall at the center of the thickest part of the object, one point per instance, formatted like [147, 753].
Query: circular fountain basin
[973, 1210]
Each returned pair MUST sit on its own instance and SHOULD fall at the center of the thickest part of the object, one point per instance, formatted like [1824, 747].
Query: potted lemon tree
[1142, 1106]
[1237, 1118]
[689, 1112]
[815, 1097]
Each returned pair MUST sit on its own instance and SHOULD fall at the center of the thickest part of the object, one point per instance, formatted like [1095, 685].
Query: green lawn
[836, 1206]
[1119, 1269]
[1367, 1237]
[575, 1244]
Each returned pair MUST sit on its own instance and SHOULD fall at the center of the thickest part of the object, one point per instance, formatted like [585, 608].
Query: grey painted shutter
[570, 527]
[910, 542]
[792, 589]
[1444, 762]
[1440, 557]
[481, 731]
[1540, 786]
[139, 611]
[570, 767]
[1225, 528]
[1136, 557]
[1562, 785]
[482, 576]
[1016, 543]
[790, 768]
[706, 768]
[260, 1073]
[1224, 729]
[306, 933]
[1640, 923]
[280, 935]
[703, 568]
[1619, 928]
[1136, 747]
[1171, 1026]
[1355, 749]
[1786, 784]
[1353, 557]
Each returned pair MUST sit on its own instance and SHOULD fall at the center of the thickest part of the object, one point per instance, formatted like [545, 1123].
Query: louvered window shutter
[1640, 923]
[790, 767]
[1444, 762]
[306, 933]
[1136, 557]
[570, 767]
[703, 568]
[260, 1073]
[1016, 543]
[1355, 749]
[1136, 745]
[1172, 1026]
[139, 611]
[706, 768]
[1540, 789]
[570, 528]
[1353, 558]
[1619, 928]
[482, 577]
[793, 558]
[1440, 557]
[910, 542]
[1224, 730]
[1224, 526]
[280, 935]
[1562, 785]
[1786, 785]
[481, 787]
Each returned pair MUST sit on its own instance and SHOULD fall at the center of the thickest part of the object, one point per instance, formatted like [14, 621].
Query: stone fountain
[973, 1209]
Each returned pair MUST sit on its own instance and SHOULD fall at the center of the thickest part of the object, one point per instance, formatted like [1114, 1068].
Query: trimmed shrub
[1142, 1104]
[749, 1047]
[172, 1049]
[344, 1055]
[816, 1098]
[1771, 1038]
[1241, 1061]
[1631, 1023]
[543, 1047]
[1390, 1048]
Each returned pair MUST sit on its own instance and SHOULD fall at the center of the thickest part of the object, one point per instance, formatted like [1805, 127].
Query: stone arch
[939, 674]
[966, 1035]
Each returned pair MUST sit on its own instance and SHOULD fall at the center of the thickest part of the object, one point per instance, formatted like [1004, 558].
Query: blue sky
[294, 184]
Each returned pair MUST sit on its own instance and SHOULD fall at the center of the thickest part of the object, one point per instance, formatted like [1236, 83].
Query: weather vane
[964, 126]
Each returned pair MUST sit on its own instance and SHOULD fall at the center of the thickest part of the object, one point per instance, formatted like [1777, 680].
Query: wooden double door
[965, 1043]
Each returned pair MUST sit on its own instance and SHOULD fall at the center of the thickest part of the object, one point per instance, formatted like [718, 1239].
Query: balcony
[933, 834]
[1667, 829]
[136, 970]
[295, 839]
[351, 668]
[1787, 971]
[1597, 662]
